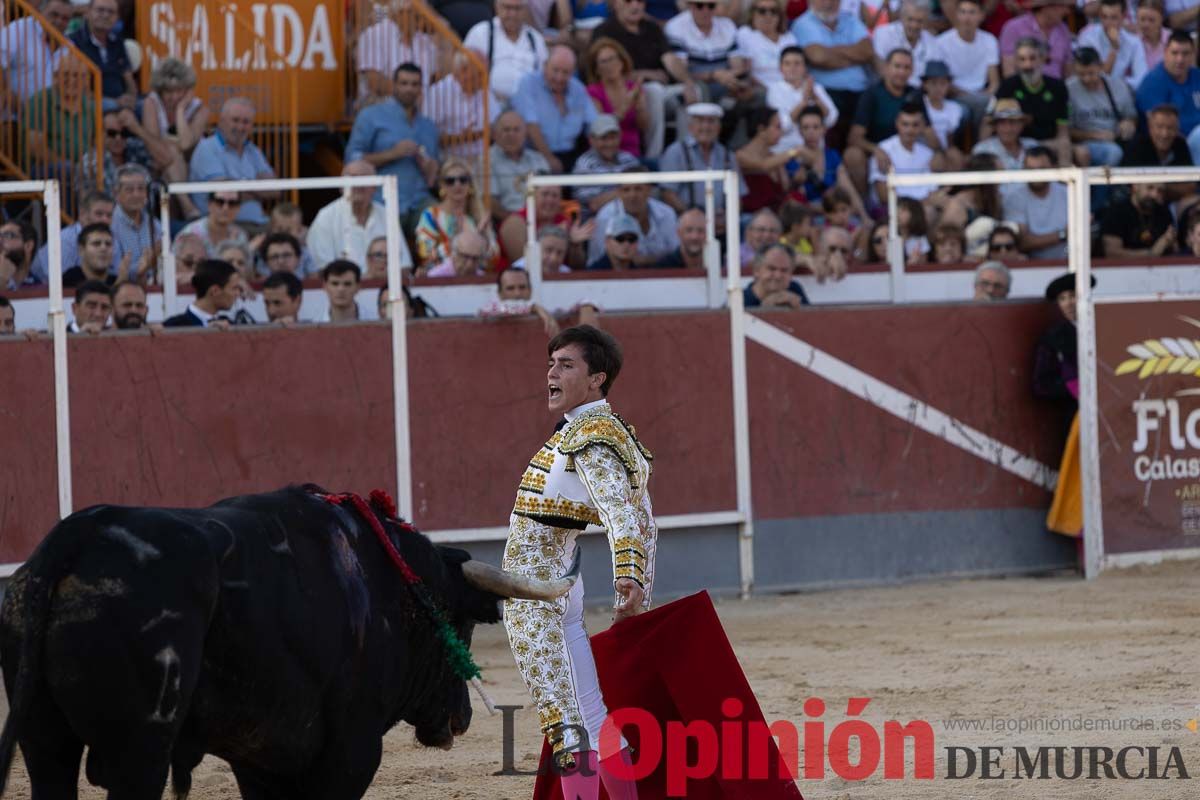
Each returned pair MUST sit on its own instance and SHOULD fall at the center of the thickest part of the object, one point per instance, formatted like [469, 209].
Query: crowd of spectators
[812, 103]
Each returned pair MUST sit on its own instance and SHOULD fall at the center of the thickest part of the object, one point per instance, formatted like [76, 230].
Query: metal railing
[51, 104]
[229, 49]
[382, 36]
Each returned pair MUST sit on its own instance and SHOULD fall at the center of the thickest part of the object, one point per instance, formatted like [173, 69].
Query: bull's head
[476, 600]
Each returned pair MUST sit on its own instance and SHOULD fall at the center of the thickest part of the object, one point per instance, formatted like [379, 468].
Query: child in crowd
[799, 228]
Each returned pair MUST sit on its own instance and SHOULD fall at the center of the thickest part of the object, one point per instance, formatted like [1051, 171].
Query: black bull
[269, 630]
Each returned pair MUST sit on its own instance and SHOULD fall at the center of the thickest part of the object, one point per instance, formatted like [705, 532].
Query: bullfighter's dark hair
[91, 287]
[209, 273]
[600, 350]
[341, 267]
[287, 280]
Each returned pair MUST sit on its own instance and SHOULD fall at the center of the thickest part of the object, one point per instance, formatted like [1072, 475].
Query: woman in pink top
[613, 89]
[1150, 30]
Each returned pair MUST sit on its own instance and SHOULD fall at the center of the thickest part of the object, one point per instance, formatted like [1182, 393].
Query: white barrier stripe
[275, 184]
[607, 179]
[704, 519]
[973, 178]
[1149, 557]
[900, 404]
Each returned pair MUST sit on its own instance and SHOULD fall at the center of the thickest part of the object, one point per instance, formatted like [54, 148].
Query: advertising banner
[1148, 377]
[248, 48]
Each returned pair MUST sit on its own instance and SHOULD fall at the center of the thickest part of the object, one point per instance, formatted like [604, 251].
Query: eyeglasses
[992, 285]
[378, 256]
[878, 240]
[468, 256]
[113, 133]
[450, 180]
[760, 229]
[834, 248]
[626, 238]
[10, 234]
[772, 10]
[225, 202]
[188, 261]
[1005, 247]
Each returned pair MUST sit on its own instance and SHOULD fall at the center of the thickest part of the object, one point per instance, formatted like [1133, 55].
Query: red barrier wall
[185, 418]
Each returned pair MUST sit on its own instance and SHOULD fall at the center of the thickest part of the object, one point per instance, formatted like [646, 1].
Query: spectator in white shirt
[973, 57]
[796, 91]
[762, 42]
[386, 44]
[945, 115]
[704, 55]
[28, 56]
[907, 154]
[344, 229]
[455, 104]
[1040, 209]
[512, 48]
[907, 33]
[1121, 53]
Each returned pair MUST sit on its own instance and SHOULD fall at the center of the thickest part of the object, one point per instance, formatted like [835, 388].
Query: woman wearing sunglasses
[219, 226]
[763, 40]
[458, 208]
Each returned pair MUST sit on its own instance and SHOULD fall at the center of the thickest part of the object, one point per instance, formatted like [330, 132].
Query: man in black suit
[216, 283]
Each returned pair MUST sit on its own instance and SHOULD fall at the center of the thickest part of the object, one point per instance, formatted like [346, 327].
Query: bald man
[512, 163]
[556, 108]
[229, 155]
[344, 229]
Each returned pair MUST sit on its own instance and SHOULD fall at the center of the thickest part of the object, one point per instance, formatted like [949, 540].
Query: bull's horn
[520, 587]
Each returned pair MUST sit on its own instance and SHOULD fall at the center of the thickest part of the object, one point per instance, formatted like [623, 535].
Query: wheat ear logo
[1168, 355]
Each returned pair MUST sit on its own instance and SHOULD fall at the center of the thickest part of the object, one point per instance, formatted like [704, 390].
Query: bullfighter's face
[568, 383]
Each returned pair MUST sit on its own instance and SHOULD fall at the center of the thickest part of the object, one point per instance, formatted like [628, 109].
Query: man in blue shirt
[838, 48]
[556, 107]
[229, 155]
[394, 138]
[773, 285]
[1176, 82]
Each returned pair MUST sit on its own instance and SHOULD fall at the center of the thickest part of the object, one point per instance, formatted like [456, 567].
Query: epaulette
[604, 427]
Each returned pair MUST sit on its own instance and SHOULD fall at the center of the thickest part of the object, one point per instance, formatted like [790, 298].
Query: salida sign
[1149, 403]
[234, 45]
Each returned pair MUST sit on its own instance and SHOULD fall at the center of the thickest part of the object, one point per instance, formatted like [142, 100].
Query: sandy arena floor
[1125, 646]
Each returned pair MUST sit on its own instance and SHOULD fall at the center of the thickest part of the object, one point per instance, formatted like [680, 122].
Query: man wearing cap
[1103, 112]
[907, 33]
[699, 150]
[604, 157]
[656, 223]
[838, 47]
[1176, 81]
[556, 107]
[1044, 99]
[97, 40]
[875, 118]
[945, 116]
[1044, 22]
[1006, 143]
[621, 236]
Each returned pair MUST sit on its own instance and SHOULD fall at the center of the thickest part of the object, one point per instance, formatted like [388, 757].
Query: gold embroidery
[533, 481]
[529, 506]
[604, 427]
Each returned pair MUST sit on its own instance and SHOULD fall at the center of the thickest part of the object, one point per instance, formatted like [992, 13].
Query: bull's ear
[453, 556]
